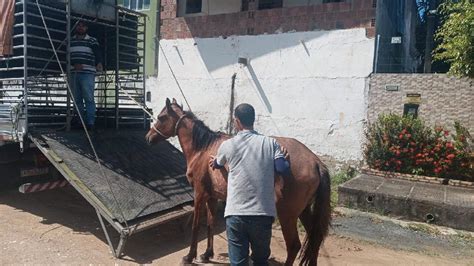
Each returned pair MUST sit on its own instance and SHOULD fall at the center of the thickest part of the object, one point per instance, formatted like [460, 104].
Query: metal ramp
[6, 126]
[143, 185]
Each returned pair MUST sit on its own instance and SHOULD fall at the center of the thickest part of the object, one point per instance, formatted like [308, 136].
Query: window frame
[145, 5]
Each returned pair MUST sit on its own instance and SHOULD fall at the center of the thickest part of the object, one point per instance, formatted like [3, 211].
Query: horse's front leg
[198, 201]
[211, 214]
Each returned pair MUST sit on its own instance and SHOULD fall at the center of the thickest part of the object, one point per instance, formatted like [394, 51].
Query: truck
[131, 185]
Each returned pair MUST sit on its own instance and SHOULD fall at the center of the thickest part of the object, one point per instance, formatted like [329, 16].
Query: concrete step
[438, 204]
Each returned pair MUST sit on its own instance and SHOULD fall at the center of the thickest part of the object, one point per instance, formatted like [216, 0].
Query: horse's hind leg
[211, 214]
[305, 218]
[290, 233]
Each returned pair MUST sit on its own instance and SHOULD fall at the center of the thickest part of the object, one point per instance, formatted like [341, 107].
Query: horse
[304, 195]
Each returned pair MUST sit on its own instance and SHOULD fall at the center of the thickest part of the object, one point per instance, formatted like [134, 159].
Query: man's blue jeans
[249, 231]
[83, 85]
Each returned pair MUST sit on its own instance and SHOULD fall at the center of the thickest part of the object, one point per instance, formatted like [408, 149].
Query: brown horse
[304, 195]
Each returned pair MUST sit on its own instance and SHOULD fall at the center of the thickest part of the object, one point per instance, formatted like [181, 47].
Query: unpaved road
[59, 227]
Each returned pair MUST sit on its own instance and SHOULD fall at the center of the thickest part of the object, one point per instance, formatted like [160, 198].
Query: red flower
[450, 156]
[400, 136]
[408, 135]
[446, 133]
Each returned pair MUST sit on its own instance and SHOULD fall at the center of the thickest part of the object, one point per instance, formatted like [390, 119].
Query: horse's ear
[168, 105]
[174, 101]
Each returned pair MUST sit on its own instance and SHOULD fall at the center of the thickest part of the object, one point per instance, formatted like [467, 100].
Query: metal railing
[32, 76]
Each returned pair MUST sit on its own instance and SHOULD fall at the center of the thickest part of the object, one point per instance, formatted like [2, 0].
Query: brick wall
[343, 15]
[444, 99]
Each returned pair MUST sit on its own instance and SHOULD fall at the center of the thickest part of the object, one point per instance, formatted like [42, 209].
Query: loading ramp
[142, 186]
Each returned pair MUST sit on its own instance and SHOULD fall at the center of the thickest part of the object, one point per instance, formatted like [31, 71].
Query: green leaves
[456, 37]
[407, 145]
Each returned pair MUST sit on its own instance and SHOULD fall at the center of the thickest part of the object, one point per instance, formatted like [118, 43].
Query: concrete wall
[444, 99]
[307, 85]
[212, 7]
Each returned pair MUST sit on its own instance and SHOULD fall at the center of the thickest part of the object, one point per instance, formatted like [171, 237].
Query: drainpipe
[157, 36]
[230, 124]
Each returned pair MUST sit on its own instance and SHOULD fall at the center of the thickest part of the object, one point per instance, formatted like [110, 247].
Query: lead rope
[174, 76]
[135, 101]
[82, 120]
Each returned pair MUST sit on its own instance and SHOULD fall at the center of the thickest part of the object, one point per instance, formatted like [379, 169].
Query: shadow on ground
[67, 208]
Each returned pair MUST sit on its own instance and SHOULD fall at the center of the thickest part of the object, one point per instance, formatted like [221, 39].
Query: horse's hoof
[205, 258]
[187, 259]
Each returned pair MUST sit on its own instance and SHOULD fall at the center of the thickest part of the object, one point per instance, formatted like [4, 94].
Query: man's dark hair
[83, 22]
[246, 114]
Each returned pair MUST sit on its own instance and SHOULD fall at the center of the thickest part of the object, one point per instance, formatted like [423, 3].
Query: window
[267, 4]
[245, 5]
[137, 5]
[193, 6]
[332, 1]
[410, 109]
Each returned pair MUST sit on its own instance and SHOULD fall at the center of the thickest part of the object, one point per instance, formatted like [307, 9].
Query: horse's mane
[203, 137]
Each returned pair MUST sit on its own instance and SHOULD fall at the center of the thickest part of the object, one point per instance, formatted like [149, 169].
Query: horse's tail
[320, 218]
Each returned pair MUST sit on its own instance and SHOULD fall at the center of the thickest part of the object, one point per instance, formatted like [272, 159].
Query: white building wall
[306, 85]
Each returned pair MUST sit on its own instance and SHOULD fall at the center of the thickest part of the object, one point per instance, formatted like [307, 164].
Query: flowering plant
[407, 145]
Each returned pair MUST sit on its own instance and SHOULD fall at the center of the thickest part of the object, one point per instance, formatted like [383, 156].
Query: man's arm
[219, 161]
[282, 166]
[214, 164]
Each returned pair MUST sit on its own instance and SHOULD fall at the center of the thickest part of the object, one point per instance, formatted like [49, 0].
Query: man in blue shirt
[250, 209]
[85, 60]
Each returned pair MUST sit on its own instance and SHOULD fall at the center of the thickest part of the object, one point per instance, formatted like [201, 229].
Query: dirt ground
[59, 227]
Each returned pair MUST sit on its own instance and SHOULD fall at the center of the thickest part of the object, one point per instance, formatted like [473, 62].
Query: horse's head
[167, 123]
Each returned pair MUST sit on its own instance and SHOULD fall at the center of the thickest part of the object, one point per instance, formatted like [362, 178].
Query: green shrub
[407, 145]
[339, 178]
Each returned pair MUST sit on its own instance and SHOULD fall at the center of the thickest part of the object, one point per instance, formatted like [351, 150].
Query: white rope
[174, 76]
[135, 101]
[60, 45]
[81, 118]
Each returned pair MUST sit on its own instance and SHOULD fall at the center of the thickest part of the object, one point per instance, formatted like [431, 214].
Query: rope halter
[176, 127]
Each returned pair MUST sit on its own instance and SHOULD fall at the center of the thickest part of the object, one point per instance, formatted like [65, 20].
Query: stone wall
[444, 99]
